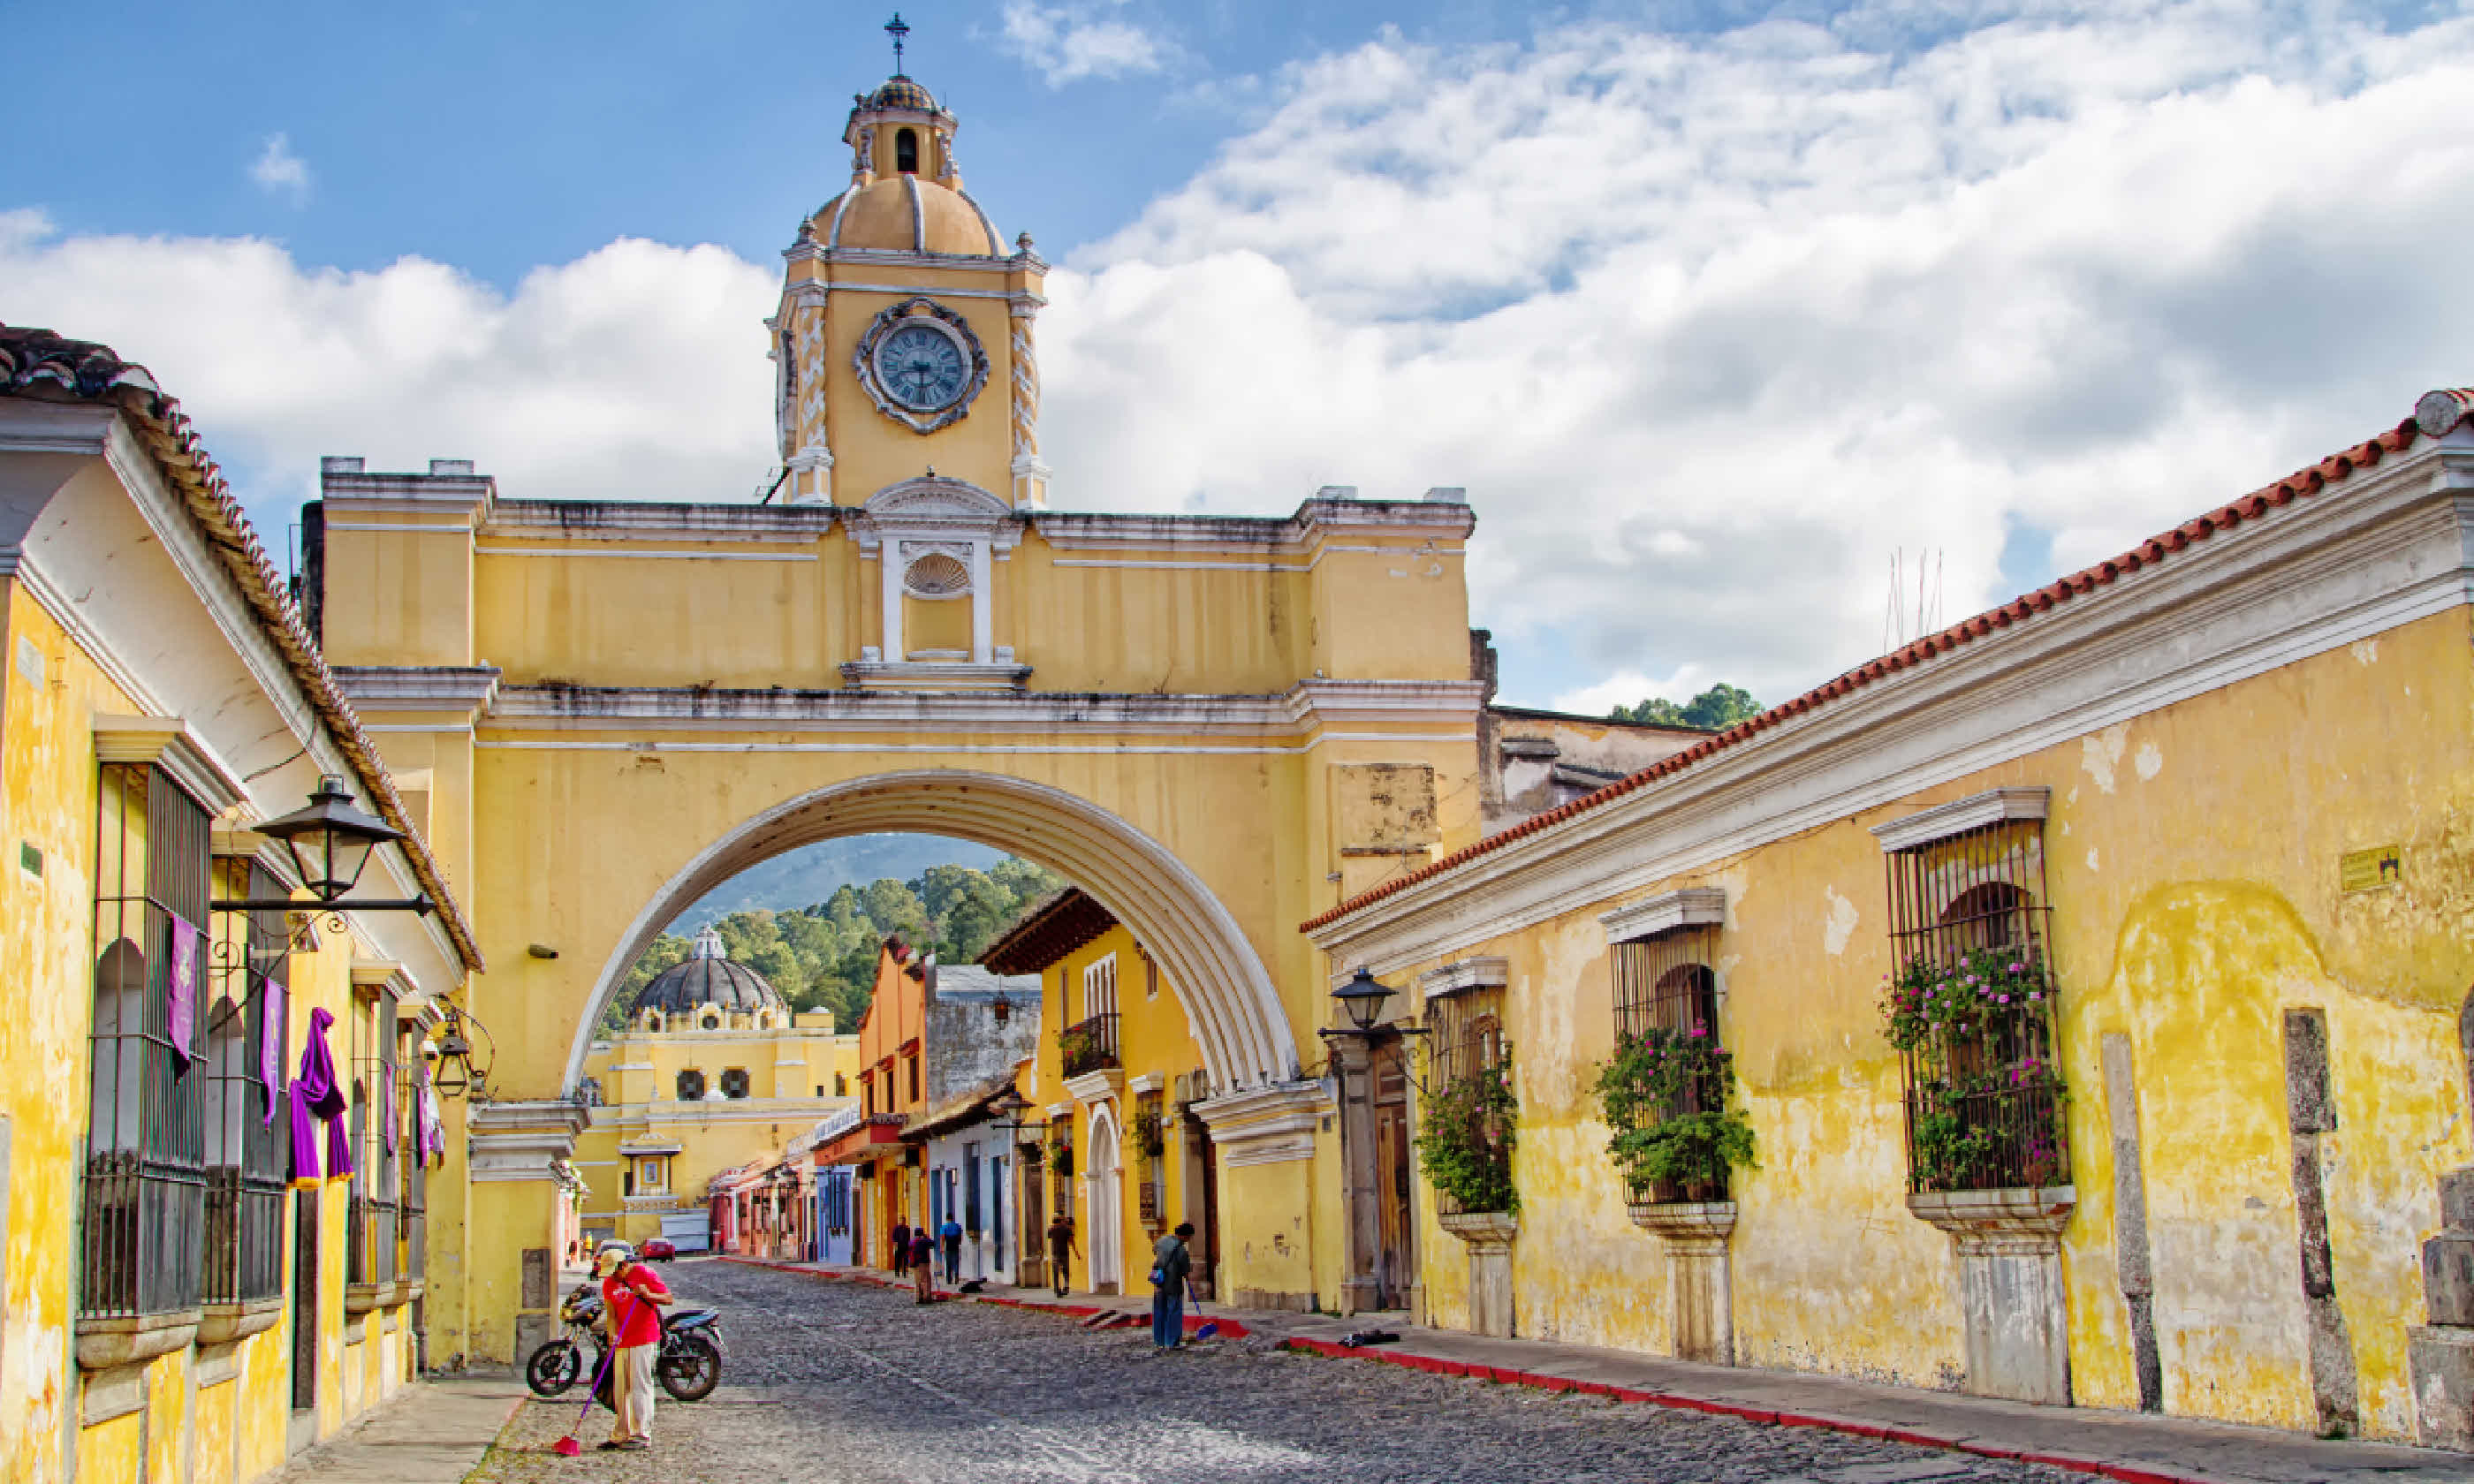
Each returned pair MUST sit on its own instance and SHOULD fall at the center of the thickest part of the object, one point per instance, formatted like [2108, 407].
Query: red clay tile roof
[2435, 416]
[40, 364]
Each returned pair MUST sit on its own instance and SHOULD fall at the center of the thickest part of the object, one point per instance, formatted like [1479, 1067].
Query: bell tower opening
[906, 152]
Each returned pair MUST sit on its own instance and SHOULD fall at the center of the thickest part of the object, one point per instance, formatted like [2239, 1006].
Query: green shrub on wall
[1664, 1093]
[1464, 1140]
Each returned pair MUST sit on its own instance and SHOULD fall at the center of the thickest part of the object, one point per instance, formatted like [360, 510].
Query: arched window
[652, 1022]
[690, 1086]
[906, 152]
[842, 1086]
[734, 1081]
[712, 1022]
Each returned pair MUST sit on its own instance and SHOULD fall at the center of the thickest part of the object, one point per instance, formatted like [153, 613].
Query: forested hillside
[824, 955]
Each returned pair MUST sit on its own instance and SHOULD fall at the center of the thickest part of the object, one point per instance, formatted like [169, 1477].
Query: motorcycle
[689, 1365]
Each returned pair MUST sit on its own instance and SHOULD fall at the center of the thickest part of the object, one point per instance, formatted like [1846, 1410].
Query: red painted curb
[2076, 1463]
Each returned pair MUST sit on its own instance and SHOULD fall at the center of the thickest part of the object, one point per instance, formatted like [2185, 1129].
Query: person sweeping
[633, 1296]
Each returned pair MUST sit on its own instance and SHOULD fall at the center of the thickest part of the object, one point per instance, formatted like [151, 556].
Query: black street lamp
[329, 842]
[1363, 998]
[456, 1072]
[1001, 1007]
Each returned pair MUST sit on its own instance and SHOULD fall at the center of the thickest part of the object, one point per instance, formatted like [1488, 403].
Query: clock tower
[902, 344]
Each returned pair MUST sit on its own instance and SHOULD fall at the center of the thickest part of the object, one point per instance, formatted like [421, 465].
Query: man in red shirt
[633, 1296]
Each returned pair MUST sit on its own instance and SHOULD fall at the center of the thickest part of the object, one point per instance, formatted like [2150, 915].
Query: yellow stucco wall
[2192, 869]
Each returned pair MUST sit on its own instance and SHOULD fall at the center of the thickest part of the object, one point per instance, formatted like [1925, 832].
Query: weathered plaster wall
[2192, 866]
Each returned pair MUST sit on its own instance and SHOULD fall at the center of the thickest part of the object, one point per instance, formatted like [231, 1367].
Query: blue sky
[1712, 307]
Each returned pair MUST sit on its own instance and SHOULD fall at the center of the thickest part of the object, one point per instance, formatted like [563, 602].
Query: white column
[890, 557]
[983, 617]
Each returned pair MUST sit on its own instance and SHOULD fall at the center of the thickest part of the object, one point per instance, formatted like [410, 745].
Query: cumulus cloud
[1710, 325]
[1070, 42]
[278, 172]
[1707, 325]
[637, 371]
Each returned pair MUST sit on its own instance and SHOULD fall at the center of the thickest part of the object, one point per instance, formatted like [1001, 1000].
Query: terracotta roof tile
[2435, 415]
[39, 362]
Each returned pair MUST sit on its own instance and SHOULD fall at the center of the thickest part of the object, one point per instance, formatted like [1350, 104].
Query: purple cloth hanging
[386, 1103]
[317, 1099]
[269, 1045]
[181, 994]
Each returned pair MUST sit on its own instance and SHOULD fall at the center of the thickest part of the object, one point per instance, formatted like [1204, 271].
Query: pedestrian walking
[950, 1236]
[1061, 1250]
[923, 1262]
[632, 1296]
[1170, 1265]
[901, 1248]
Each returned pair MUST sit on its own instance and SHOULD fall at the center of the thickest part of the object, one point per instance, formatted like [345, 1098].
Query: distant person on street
[950, 1237]
[1171, 1264]
[1062, 1252]
[901, 1248]
[633, 1296]
[923, 1262]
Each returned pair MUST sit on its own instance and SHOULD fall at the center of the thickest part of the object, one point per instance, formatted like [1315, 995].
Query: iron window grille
[734, 1081]
[1089, 1044]
[144, 1187]
[1983, 1097]
[247, 1151]
[1467, 1043]
[415, 1217]
[690, 1086]
[1664, 989]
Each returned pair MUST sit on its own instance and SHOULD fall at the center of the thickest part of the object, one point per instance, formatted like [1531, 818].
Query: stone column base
[2009, 1249]
[1489, 1235]
[2440, 1359]
[1700, 1276]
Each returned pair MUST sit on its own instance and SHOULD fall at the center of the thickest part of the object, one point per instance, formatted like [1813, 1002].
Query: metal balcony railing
[1090, 1045]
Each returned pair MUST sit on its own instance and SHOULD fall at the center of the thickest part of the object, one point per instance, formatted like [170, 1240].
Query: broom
[566, 1447]
[1210, 1327]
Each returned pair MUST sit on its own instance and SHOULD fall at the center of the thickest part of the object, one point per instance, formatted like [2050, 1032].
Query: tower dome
[708, 978]
[905, 192]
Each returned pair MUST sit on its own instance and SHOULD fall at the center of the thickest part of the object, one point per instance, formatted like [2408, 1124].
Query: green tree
[1714, 710]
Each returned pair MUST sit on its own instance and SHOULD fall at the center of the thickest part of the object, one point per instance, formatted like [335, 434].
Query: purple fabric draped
[316, 1099]
[181, 995]
[269, 1045]
[386, 1104]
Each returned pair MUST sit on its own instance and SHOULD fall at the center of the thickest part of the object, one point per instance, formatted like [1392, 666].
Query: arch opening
[1227, 994]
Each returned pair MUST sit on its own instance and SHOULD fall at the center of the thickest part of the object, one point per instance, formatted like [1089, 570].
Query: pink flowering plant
[1983, 1094]
[1664, 1093]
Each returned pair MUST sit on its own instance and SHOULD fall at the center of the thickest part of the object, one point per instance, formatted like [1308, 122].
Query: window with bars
[690, 1086]
[1466, 1110]
[1670, 1060]
[415, 1187]
[734, 1081]
[144, 1187]
[1970, 1010]
[247, 1149]
[1468, 1035]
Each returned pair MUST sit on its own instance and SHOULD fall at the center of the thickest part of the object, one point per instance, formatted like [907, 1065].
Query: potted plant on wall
[1984, 1096]
[1060, 1157]
[1664, 1092]
[1465, 1139]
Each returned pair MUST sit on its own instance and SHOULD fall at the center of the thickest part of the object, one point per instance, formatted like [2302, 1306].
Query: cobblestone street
[852, 1384]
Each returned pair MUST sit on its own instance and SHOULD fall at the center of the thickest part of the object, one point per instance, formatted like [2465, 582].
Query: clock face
[922, 368]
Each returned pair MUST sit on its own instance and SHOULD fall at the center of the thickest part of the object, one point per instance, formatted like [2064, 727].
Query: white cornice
[466, 689]
[171, 745]
[2392, 545]
[1694, 906]
[1464, 975]
[1961, 815]
[1262, 536]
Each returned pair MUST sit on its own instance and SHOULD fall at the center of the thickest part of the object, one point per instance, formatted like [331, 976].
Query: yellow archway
[1235, 1013]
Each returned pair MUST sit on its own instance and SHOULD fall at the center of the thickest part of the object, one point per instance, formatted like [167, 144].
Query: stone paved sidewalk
[433, 1432]
[2133, 1447]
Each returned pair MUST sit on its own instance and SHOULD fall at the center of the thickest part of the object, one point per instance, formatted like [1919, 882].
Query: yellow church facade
[712, 1072]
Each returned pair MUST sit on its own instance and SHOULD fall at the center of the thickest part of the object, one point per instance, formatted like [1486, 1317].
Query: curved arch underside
[1229, 997]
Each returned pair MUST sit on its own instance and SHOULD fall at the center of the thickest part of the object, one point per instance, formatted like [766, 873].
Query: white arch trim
[1229, 1001]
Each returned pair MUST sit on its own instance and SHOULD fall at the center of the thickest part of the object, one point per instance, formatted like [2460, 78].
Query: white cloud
[637, 371]
[278, 172]
[1710, 325]
[1083, 38]
[1707, 325]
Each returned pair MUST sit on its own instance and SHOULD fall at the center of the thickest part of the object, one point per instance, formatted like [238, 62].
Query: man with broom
[633, 1296]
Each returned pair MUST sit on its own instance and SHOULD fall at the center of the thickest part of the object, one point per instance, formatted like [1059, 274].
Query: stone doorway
[1396, 1263]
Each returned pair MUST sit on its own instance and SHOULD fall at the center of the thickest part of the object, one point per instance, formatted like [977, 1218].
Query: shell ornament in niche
[936, 575]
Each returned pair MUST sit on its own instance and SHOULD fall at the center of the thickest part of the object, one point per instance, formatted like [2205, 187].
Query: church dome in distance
[707, 977]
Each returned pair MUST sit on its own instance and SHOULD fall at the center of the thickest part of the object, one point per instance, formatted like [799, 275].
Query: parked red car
[659, 1249]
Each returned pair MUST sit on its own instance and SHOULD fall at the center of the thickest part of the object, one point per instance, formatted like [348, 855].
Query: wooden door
[1396, 1257]
[1206, 1262]
[1030, 1261]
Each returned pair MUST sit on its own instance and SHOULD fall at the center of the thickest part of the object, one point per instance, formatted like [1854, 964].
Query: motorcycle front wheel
[690, 1369]
[554, 1368]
